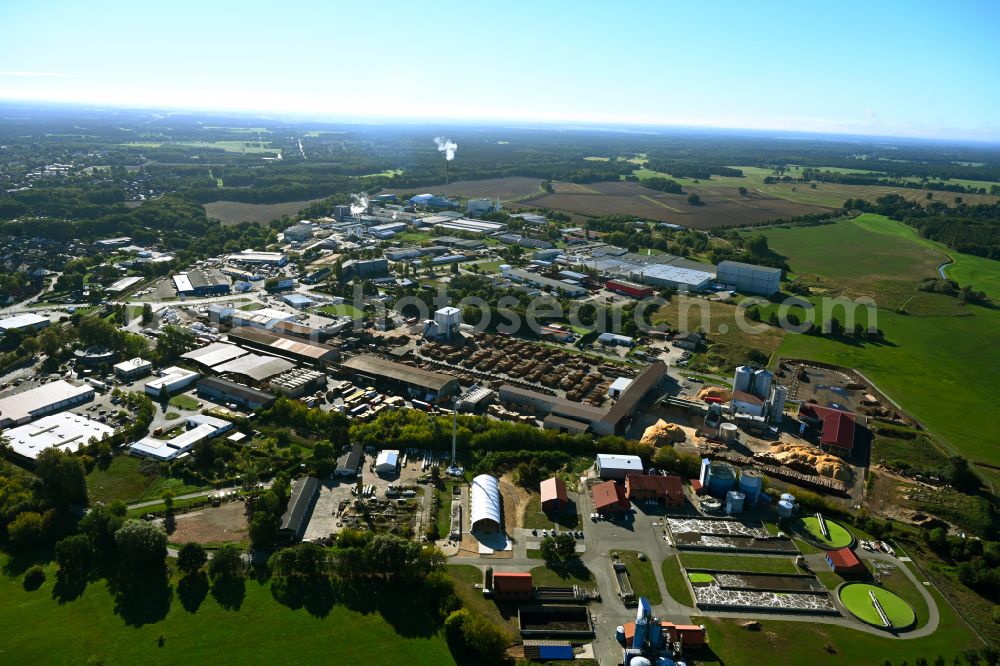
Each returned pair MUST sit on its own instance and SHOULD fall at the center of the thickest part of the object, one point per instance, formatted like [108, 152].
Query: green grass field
[572, 573]
[535, 518]
[673, 578]
[341, 309]
[856, 598]
[840, 536]
[701, 577]
[640, 574]
[39, 630]
[184, 402]
[122, 480]
[756, 564]
[228, 146]
[931, 386]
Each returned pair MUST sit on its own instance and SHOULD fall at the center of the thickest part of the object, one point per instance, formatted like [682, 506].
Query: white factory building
[170, 381]
[264, 318]
[615, 466]
[132, 369]
[678, 277]
[749, 278]
[52, 397]
[23, 322]
[387, 462]
[255, 257]
[200, 428]
[66, 431]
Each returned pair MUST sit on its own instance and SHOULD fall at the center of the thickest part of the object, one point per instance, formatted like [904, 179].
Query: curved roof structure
[485, 499]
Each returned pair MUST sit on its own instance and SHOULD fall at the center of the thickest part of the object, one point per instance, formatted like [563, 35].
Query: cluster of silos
[760, 383]
[786, 505]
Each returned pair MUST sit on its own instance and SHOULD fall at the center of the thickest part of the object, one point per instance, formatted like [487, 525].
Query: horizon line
[373, 120]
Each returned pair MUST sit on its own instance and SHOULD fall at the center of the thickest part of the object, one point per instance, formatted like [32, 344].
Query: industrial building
[757, 397]
[23, 322]
[299, 233]
[678, 277]
[512, 586]
[486, 509]
[749, 278]
[214, 354]
[199, 428]
[446, 323]
[170, 381]
[427, 385]
[301, 351]
[630, 289]
[350, 461]
[305, 490]
[542, 282]
[614, 340]
[67, 432]
[837, 427]
[253, 369]
[468, 226]
[387, 462]
[553, 494]
[366, 269]
[577, 417]
[618, 387]
[34, 403]
[264, 318]
[617, 466]
[208, 282]
[668, 490]
[118, 286]
[297, 382]
[255, 257]
[132, 369]
[609, 498]
[298, 301]
[225, 391]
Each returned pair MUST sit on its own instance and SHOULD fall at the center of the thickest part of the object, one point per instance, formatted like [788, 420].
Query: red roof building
[554, 497]
[844, 561]
[512, 586]
[836, 427]
[666, 489]
[609, 497]
[691, 635]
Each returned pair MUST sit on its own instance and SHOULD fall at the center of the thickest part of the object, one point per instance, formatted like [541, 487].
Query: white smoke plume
[446, 146]
[359, 204]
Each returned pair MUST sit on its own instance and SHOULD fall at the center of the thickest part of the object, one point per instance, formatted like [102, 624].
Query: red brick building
[667, 490]
[609, 498]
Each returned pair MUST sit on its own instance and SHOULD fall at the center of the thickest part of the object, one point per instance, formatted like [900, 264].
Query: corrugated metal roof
[484, 499]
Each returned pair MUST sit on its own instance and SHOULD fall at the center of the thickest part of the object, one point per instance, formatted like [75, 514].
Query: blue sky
[925, 69]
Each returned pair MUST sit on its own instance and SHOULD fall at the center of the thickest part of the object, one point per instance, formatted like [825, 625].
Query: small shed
[844, 561]
[387, 462]
[553, 492]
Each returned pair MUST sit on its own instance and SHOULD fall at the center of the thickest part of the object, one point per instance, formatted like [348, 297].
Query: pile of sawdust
[722, 394]
[662, 433]
[810, 460]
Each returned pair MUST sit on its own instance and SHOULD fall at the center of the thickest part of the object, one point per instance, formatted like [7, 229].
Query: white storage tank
[788, 497]
[620, 634]
[729, 433]
[785, 509]
[734, 501]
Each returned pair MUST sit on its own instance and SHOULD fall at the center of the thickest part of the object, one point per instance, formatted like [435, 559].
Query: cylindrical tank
[729, 433]
[743, 378]
[788, 497]
[750, 484]
[721, 479]
[785, 509]
[639, 660]
[665, 661]
[762, 380]
[734, 501]
[620, 634]
[711, 505]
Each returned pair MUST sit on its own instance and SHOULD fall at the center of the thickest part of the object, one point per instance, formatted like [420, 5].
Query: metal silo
[734, 502]
[743, 378]
[751, 484]
[762, 380]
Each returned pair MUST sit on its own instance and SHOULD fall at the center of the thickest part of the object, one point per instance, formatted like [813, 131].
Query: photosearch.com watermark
[686, 313]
